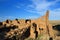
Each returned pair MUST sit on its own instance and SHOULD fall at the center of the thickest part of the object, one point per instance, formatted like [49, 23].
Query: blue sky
[11, 9]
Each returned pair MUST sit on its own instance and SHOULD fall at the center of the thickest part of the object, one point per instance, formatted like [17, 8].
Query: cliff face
[23, 29]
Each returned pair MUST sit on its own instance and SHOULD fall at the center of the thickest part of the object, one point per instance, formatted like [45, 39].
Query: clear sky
[11, 9]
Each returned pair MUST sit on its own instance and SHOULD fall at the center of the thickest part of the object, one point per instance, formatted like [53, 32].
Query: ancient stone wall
[37, 26]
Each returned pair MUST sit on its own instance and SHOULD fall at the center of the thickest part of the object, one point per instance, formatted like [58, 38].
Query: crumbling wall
[34, 27]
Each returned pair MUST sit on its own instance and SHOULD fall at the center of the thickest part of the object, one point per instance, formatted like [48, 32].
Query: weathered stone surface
[27, 28]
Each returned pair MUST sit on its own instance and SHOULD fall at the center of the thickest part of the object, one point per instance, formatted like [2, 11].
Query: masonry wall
[37, 26]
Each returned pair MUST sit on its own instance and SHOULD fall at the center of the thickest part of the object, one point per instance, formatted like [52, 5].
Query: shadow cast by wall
[4, 29]
[57, 28]
[25, 34]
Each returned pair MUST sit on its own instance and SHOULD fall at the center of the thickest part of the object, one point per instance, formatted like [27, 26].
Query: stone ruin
[29, 28]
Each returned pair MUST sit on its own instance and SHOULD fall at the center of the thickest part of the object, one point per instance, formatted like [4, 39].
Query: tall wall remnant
[42, 26]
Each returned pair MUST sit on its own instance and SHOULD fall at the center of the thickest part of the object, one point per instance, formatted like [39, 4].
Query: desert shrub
[38, 38]
[29, 39]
